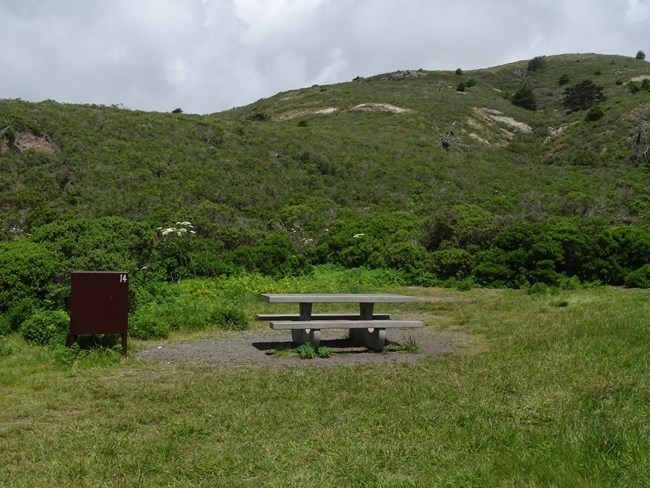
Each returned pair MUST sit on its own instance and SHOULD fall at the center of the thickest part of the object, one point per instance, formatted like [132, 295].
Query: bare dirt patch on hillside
[23, 141]
[379, 107]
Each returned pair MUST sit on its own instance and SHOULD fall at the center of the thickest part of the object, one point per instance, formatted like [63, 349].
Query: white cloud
[209, 55]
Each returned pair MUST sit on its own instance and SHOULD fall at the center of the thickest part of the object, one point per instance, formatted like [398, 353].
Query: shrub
[595, 113]
[324, 352]
[461, 226]
[307, 351]
[98, 244]
[639, 278]
[143, 326]
[525, 98]
[640, 55]
[44, 326]
[460, 87]
[582, 96]
[459, 72]
[453, 263]
[27, 270]
[17, 312]
[276, 256]
[229, 319]
[634, 87]
[564, 79]
[538, 62]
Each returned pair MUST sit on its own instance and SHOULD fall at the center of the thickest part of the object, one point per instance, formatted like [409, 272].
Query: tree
[640, 55]
[582, 96]
[524, 97]
[538, 62]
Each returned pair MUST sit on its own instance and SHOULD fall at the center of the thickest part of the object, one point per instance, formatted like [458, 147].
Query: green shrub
[538, 62]
[639, 278]
[27, 271]
[564, 79]
[595, 113]
[97, 244]
[142, 326]
[452, 263]
[525, 98]
[582, 96]
[324, 352]
[276, 256]
[45, 326]
[634, 87]
[460, 226]
[229, 319]
[307, 351]
[17, 312]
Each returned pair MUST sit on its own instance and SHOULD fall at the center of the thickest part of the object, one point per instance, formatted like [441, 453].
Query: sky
[205, 56]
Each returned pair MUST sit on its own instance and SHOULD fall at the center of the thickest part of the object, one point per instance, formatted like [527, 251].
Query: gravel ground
[257, 346]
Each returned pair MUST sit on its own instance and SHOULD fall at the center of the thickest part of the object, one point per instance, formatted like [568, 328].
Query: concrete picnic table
[365, 327]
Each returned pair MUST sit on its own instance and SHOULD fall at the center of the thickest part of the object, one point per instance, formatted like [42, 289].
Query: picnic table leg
[306, 335]
[371, 338]
[374, 339]
[300, 336]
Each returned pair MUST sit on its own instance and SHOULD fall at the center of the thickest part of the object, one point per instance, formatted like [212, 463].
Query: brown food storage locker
[99, 304]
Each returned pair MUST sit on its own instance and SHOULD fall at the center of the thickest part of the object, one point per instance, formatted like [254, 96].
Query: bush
[27, 270]
[564, 79]
[640, 55]
[276, 256]
[634, 87]
[230, 319]
[595, 113]
[453, 263]
[44, 326]
[144, 327]
[98, 244]
[639, 278]
[538, 62]
[17, 312]
[525, 98]
[582, 96]
[460, 226]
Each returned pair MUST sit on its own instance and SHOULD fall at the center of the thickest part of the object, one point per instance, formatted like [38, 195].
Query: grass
[557, 395]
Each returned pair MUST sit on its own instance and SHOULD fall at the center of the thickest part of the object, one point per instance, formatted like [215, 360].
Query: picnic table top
[335, 298]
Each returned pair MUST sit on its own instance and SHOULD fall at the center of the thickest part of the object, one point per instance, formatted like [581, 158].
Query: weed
[307, 351]
[410, 346]
[324, 352]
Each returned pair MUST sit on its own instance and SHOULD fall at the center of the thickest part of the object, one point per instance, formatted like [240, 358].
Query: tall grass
[557, 395]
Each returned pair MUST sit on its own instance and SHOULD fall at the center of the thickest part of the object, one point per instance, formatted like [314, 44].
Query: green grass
[554, 391]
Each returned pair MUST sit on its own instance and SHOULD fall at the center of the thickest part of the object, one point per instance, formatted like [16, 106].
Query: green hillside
[416, 162]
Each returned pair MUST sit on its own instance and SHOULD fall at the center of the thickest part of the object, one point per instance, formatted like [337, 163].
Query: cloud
[210, 55]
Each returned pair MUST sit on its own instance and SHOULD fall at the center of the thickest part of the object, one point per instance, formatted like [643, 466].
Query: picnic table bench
[366, 327]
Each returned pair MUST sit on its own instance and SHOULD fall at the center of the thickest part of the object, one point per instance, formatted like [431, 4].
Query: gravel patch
[258, 347]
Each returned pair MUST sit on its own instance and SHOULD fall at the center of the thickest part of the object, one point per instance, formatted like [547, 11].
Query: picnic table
[365, 326]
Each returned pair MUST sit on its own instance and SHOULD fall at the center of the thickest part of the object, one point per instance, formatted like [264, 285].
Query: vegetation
[504, 197]
[525, 98]
[547, 387]
[582, 96]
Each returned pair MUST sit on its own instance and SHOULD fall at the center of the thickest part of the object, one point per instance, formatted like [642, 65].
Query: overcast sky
[205, 56]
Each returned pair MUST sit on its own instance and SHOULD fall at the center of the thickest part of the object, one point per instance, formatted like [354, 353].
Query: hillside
[392, 152]
[370, 143]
